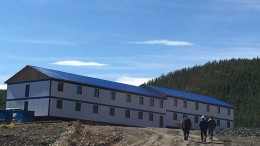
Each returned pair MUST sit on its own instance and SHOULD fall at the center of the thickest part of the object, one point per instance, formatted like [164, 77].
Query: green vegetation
[235, 81]
[2, 98]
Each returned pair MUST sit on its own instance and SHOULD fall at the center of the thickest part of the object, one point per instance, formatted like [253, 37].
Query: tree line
[235, 81]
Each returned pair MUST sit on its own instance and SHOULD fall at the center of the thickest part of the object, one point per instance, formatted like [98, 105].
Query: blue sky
[125, 40]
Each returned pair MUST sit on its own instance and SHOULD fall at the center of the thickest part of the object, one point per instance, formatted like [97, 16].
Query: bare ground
[76, 133]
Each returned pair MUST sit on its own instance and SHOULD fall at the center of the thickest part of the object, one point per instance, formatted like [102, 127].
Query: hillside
[2, 98]
[76, 133]
[236, 81]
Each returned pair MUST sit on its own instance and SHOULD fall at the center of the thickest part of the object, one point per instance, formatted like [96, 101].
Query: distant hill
[2, 98]
[236, 81]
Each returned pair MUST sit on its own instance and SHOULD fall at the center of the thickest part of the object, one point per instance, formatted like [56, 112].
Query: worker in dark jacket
[212, 126]
[185, 125]
[203, 128]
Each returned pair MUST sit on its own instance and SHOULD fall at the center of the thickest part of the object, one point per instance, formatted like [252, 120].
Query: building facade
[52, 93]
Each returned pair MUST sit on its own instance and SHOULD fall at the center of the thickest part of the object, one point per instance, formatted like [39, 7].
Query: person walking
[211, 126]
[203, 128]
[185, 125]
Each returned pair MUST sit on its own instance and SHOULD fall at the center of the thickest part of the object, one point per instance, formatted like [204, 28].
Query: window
[127, 113]
[219, 110]
[141, 100]
[228, 111]
[95, 109]
[96, 93]
[161, 104]
[27, 90]
[208, 108]
[79, 89]
[151, 102]
[112, 111]
[196, 119]
[184, 104]
[174, 116]
[59, 104]
[218, 122]
[150, 117]
[128, 98]
[196, 106]
[228, 124]
[113, 95]
[175, 102]
[140, 115]
[60, 86]
[78, 106]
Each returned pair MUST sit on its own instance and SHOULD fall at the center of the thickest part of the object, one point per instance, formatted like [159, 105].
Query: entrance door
[25, 108]
[161, 121]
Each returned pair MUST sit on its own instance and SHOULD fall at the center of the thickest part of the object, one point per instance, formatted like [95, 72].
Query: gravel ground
[76, 133]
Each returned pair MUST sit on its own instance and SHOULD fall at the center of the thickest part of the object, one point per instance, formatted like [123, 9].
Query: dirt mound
[76, 133]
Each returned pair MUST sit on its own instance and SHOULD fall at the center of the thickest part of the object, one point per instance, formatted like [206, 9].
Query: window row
[196, 119]
[185, 105]
[113, 95]
[59, 105]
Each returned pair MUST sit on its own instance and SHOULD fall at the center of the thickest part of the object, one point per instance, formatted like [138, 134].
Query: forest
[2, 98]
[235, 81]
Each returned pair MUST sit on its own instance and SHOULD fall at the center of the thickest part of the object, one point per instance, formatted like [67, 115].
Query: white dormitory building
[56, 94]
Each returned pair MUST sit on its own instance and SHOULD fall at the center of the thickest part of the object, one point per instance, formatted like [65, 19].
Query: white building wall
[191, 112]
[16, 97]
[37, 89]
[104, 102]
[40, 106]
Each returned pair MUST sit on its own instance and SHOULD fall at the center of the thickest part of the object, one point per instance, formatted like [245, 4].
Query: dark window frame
[175, 116]
[196, 106]
[95, 109]
[196, 119]
[77, 106]
[96, 92]
[27, 90]
[79, 90]
[60, 86]
[160, 103]
[127, 113]
[128, 97]
[208, 108]
[113, 95]
[140, 115]
[141, 100]
[59, 104]
[151, 102]
[218, 123]
[112, 111]
[175, 102]
[218, 110]
[185, 104]
[150, 117]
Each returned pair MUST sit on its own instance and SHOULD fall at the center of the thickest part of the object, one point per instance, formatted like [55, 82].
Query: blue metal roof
[96, 82]
[190, 96]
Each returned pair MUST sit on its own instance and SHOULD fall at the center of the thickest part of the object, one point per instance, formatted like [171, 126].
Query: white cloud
[3, 87]
[77, 63]
[163, 42]
[132, 81]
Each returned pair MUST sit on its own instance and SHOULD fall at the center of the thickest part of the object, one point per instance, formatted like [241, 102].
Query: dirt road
[76, 133]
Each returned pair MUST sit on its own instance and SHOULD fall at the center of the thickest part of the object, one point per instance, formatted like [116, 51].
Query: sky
[127, 41]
